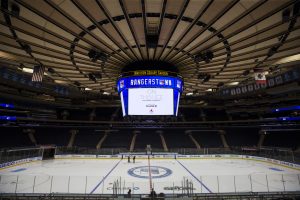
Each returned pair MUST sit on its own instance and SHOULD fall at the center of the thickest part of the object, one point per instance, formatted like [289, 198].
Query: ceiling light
[288, 59]
[60, 81]
[27, 70]
[200, 102]
[233, 83]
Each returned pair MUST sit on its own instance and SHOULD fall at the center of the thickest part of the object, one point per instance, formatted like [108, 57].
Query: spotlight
[93, 55]
[51, 70]
[209, 56]
[206, 56]
[206, 79]
[246, 72]
[92, 77]
[97, 55]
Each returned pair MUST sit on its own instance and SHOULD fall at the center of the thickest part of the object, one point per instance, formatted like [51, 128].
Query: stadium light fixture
[205, 56]
[207, 78]
[234, 83]
[27, 70]
[92, 77]
[97, 55]
[51, 70]
[60, 81]
[246, 72]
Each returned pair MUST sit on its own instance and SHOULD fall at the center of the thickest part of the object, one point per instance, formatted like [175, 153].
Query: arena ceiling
[59, 34]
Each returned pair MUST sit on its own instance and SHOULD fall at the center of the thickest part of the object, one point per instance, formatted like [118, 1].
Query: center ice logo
[143, 172]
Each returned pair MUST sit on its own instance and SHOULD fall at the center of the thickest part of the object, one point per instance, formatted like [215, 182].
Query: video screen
[150, 101]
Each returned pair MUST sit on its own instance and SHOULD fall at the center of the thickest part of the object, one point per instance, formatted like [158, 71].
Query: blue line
[195, 177]
[105, 177]
[22, 169]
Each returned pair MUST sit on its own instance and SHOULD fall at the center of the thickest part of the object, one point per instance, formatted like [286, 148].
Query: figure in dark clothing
[152, 194]
[128, 159]
[133, 159]
[129, 193]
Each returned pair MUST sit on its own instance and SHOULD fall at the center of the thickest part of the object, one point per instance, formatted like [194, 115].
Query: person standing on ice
[128, 159]
[153, 193]
[129, 193]
[133, 159]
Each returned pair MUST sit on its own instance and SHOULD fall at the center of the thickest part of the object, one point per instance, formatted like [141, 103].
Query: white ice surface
[99, 176]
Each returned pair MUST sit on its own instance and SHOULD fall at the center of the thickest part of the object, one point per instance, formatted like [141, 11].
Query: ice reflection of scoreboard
[150, 95]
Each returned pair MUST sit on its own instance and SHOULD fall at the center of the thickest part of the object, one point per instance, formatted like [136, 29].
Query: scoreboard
[150, 94]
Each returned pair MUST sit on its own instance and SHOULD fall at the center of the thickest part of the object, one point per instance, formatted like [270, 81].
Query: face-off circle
[143, 172]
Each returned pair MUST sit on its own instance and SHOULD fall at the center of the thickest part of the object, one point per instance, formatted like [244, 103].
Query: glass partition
[120, 186]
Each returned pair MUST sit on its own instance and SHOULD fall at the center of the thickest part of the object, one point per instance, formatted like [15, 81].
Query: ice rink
[100, 175]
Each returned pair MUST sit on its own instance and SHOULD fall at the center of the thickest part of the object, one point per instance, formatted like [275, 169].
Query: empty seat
[208, 139]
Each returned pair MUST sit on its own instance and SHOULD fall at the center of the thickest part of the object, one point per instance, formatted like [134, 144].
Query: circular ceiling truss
[240, 34]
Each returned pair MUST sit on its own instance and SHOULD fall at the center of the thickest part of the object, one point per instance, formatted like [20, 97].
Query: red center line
[150, 177]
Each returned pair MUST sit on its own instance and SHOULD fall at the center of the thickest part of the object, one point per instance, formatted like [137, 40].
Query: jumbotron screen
[150, 101]
[150, 95]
